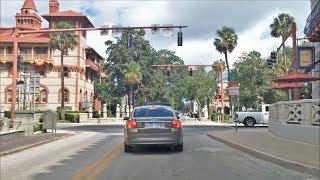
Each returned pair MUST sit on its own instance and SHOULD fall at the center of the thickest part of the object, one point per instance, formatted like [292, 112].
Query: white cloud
[202, 18]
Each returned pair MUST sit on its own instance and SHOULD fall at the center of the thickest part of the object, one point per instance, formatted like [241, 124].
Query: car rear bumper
[132, 137]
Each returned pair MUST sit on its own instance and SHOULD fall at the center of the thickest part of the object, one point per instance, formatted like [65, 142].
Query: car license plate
[154, 125]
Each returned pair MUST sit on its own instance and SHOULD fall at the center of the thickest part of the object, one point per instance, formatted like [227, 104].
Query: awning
[296, 77]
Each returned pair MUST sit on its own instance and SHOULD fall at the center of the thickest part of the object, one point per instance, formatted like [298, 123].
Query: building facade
[312, 31]
[80, 69]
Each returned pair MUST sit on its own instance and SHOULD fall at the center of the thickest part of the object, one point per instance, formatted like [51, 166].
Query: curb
[268, 157]
[5, 153]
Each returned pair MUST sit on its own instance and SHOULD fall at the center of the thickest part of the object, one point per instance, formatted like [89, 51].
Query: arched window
[80, 95]
[91, 97]
[86, 96]
[66, 95]
[8, 95]
[43, 95]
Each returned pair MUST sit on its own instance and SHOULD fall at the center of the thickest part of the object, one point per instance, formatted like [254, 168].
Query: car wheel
[249, 122]
[179, 147]
[127, 148]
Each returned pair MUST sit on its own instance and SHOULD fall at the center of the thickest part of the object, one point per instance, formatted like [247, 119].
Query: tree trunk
[285, 57]
[62, 87]
[228, 77]
[199, 110]
[132, 95]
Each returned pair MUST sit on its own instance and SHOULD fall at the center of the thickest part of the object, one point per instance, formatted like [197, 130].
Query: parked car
[250, 118]
[153, 125]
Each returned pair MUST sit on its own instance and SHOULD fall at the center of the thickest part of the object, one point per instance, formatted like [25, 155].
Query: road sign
[104, 32]
[155, 30]
[168, 31]
[234, 91]
[116, 32]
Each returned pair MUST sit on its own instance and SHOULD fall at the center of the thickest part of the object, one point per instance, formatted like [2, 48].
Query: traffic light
[180, 38]
[19, 62]
[273, 57]
[269, 63]
[190, 71]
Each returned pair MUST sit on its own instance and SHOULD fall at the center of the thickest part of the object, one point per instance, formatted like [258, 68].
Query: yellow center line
[93, 169]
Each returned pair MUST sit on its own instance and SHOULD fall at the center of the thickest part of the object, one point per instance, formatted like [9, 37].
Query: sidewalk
[13, 145]
[263, 144]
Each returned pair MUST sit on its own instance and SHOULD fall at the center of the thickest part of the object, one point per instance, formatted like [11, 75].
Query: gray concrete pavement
[203, 158]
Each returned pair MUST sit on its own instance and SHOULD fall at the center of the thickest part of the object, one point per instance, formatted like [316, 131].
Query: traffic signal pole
[14, 74]
[17, 33]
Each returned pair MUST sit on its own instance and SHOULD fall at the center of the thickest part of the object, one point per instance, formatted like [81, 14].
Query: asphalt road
[96, 152]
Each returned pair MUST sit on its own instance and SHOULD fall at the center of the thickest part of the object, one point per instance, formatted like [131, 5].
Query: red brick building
[81, 66]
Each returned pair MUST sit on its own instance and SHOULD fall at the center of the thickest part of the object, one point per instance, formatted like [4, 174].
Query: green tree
[281, 26]
[153, 85]
[226, 41]
[132, 76]
[251, 72]
[202, 87]
[63, 41]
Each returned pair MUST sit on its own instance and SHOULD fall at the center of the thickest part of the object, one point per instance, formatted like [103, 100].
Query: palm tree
[132, 76]
[63, 41]
[225, 42]
[281, 26]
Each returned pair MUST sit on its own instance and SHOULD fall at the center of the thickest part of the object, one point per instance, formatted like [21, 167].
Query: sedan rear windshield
[153, 112]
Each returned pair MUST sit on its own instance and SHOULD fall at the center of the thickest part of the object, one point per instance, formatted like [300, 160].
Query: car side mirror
[126, 118]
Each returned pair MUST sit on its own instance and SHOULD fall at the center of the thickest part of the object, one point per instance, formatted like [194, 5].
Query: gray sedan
[153, 125]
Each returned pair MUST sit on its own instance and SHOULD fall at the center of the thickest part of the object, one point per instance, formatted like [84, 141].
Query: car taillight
[176, 123]
[131, 124]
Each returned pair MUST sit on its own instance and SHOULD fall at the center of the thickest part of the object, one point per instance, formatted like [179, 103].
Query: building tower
[28, 17]
[53, 6]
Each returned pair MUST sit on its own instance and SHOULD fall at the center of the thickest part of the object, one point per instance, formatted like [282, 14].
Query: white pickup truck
[250, 118]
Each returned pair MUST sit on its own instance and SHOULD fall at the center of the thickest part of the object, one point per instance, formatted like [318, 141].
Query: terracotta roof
[296, 77]
[29, 4]
[29, 38]
[282, 86]
[64, 13]
[67, 14]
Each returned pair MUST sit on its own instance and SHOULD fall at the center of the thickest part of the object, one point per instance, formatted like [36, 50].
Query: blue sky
[250, 19]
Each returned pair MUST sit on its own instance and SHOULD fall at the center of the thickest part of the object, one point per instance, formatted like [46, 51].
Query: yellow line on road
[92, 170]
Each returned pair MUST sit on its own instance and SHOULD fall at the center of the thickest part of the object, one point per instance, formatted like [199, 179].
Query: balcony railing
[313, 18]
[27, 58]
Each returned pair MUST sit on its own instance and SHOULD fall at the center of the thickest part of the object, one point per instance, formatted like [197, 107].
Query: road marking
[93, 169]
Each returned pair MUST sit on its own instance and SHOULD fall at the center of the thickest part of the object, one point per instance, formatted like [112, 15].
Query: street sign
[155, 30]
[104, 32]
[116, 32]
[234, 91]
[168, 32]
[306, 57]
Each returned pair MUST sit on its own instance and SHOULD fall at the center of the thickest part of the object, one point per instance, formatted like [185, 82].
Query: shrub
[95, 114]
[37, 127]
[7, 114]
